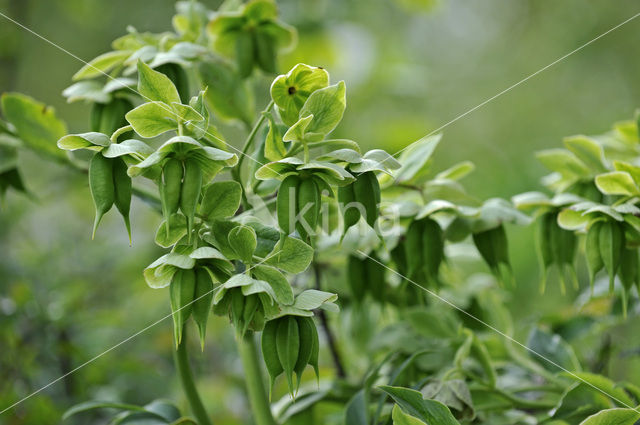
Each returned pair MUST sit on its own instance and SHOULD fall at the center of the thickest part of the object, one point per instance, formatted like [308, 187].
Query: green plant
[429, 338]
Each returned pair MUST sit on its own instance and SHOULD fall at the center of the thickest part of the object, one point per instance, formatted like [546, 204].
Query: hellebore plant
[239, 224]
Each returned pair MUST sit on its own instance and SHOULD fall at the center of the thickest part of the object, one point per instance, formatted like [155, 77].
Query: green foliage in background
[380, 270]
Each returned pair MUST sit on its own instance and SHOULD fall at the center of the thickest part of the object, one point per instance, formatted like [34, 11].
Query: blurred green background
[410, 67]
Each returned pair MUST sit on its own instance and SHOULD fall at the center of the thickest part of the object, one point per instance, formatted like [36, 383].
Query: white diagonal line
[124, 341]
[498, 331]
[57, 46]
[527, 78]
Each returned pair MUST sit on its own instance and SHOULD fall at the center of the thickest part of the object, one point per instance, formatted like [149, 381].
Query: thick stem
[327, 330]
[188, 385]
[256, 387]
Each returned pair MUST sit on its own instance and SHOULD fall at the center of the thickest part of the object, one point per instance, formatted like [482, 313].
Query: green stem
[256, 387]
[306, 151]
[523, 403]
[188, 385]
[236, 172]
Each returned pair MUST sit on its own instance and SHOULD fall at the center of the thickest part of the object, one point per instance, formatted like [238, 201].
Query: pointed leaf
[155, 86]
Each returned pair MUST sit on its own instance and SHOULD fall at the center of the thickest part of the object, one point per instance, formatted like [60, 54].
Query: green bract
[211, 160]
[252, 34]
[290, 91]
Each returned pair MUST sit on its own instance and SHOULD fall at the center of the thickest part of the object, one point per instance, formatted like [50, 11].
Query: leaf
[563, 162]
[35, 123]
[312, 299]
[163, 408]
[177, 229]
[327, 106]
[554, 348]
[530, 200]
[376, 160]
[127, 147]
[86, 90]
[613, 417]
[277, 281]
[629, 168]
[278, 170]
[274, 148]
[587, 150]
[570, 219]
[187, 114]
[227, 93]
[221, 199]
[92, 140]
[152, 119]
[101, 64]
[430, 411]
[243, 241]
[267, 237]
[579, 401]
[457, 171]
[155, 86]
[604, 385]
[401, 418]
[297, 132]
[356, 410]
[617, 183]
[90, 405]
[294, 256]
[415, 158]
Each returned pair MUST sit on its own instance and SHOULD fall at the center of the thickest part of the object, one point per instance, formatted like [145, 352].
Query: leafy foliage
[445, 351]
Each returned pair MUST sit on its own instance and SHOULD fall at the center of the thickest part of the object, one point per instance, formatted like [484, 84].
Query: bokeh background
[410, 67]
